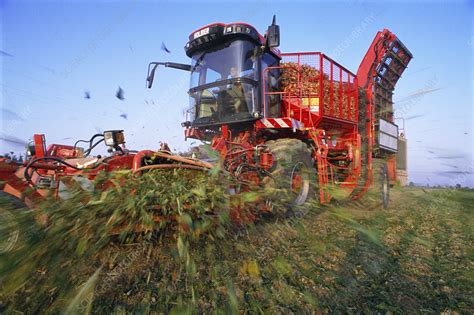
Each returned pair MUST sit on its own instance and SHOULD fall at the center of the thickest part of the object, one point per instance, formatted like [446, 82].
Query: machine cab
[226, 75]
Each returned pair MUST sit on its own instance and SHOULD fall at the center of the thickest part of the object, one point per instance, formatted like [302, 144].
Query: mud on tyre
[292, 176]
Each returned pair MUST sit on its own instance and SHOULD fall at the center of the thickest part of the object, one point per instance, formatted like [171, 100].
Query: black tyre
[292, 174]
[381, 183]
[9, 231]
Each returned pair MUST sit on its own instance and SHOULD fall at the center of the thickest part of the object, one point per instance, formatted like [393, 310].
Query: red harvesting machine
[300, 122]
[301, 119]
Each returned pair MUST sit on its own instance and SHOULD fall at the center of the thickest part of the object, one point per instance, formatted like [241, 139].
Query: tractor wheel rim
[299, 183]
[296, 183]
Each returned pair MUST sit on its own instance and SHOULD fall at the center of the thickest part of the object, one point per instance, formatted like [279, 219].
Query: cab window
[272, 102]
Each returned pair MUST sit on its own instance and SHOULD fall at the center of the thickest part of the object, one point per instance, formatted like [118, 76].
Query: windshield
[230, 102]
[224, 83]
[230, 59]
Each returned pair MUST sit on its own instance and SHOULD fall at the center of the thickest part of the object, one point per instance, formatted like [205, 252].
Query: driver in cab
[236, 91]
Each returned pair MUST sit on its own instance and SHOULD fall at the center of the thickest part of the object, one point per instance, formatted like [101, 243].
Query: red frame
[294, 101]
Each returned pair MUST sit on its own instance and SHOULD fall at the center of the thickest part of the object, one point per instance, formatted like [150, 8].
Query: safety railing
[317, 83]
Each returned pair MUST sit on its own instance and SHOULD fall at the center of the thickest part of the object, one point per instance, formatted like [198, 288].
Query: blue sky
[57, 50]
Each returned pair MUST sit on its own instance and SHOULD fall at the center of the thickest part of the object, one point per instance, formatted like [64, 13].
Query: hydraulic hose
[51, 158]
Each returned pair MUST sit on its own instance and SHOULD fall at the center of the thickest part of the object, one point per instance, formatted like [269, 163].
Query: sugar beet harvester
[299, 122]
[295, 121]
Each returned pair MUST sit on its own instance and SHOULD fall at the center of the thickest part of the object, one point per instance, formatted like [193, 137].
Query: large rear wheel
[290, 185]
[9, 231]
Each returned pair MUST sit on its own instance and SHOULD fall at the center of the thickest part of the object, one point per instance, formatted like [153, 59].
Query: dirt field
[416, 256]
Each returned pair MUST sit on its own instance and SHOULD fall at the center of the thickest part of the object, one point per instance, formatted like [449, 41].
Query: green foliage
[178, 204]
[415, 256]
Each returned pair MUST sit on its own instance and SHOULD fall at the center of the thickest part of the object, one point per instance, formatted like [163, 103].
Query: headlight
[30, 149]
[114, 138]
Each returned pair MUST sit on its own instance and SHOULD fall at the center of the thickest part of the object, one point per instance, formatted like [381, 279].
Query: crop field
[102, 252]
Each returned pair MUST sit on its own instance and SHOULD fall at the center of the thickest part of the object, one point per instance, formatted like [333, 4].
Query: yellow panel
[310, 101]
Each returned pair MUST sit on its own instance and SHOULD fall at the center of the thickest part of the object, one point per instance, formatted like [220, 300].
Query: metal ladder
[320, 152]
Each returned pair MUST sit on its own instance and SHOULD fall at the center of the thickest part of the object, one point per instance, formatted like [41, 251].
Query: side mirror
[151, 74]
[273, 34]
